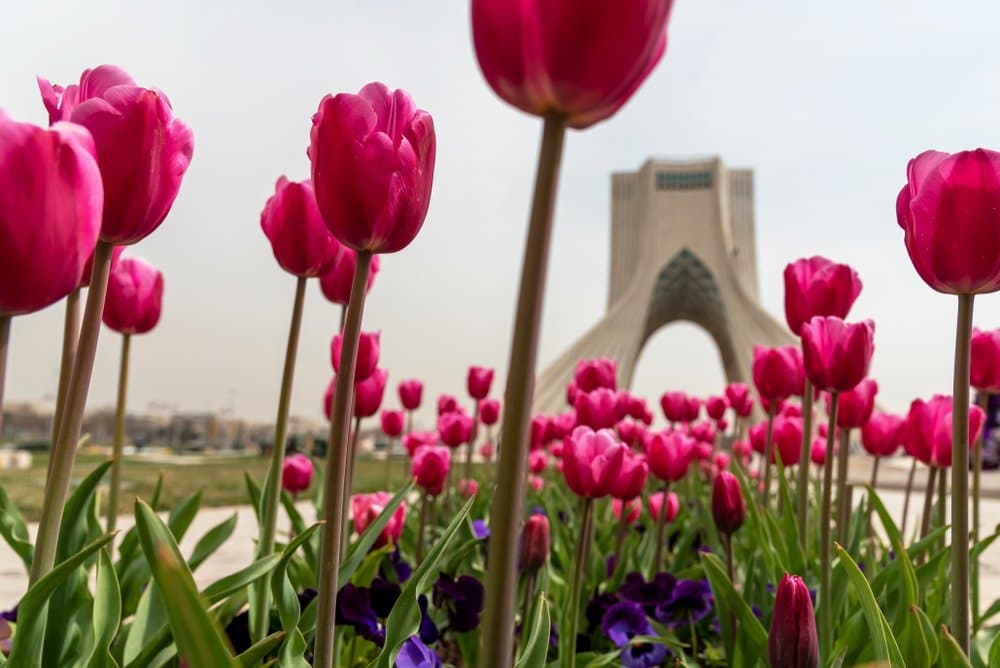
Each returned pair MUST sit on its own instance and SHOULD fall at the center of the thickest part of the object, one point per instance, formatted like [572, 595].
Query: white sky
[826, 102]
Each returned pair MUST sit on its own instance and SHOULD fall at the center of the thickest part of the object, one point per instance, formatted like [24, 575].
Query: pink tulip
[818, 286]
[670, 455]
[365, 508]
[882, 434]
[742, 448]
[135, 297]
[837, 354]
[792, 641]
[536, 482]
[597, 409]
[571, 392]
[532, 55]
[478, 382]
[721, 461]
[535, 543]
[632, 477]
[655, 502]
[703, 431]
[538, 461]
[562, 425]
[592, 461]
[716, 407]
[50, 212]
[372, 167]
[818, 452]
[60, 102]
[336, 282]
[413, 440]
[949, 210]
[538, 432]
[368, 394]
[633, 508]
[446, 404]
[430, 468]
[787, 438]
[455, 429]
[758, 436]
[675, 406]
[300, 241]
[296, 473]
[489, 411]
[738, 395]
[984, 372]
[467, 488]
[594, 374]
[855, 406]
[778, 372]
[367, 355]
[928, 429]
[728, 508]
[411, 393]
[392, 423]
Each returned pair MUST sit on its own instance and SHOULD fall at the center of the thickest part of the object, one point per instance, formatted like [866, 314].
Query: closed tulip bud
[571, 390]
[738, 395]
[134, 298]
[467, 488]
[778, 372]
[50, 212]
[787, 436]
[528, 54]
[789, 409]
[392, 423]
[372, 160]
[818, 452]
[368, 394]
[594, 374]
[818, 286]
[411, 393]
[837, 354]
[597, 409]
[368, 352]
[631, 508]
[949, 210]
[928, 429]
[538, 461]
[716, 407]
[792, 640]
[446, 404]
[478, 381]
[365, 509]
[455, 429]
[984, 371]
[655, 502]
[413, 440]
[430, 468]
[296, 473]
[728, 509]
[337, 280]
[854, 407]
[701, 451]
[535, 543]
[742, 448]
[883, 434]
[670, 455]
[722, 425]
[631, 477]
[592, 461]
[489, 411]
[703, 431]
[674, 406]
[300, 241]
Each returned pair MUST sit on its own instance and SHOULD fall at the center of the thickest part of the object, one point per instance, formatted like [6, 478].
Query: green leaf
[293, 650]
[234, 582]
[212, 541]
[182, 515]
[256, 653]
[730, 602]
[31, 618]
[536, 647]
[197, 635]
[952, 655]
[789, 524]
[357, 552]
[994, 658]
[14, 531]
[883, 642]
[253, 491]
[107, 613]
[404, 620]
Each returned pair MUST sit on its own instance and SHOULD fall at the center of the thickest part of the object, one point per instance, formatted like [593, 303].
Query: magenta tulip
[929, 429]
[817, 454]
[392, 423]
[478, 382]
[632, 509]
[882, 434]
[716, 407]
[594, 374]
[984, 371]
[792, 641]
[728, 509]
[674, 406]
[135, 297]
[455, 428]
[489, 411]
[300, 241]
[534, 545]
[430, 468]
[855, 406]
[296, 473]
[336, 281]
[598, 409]
[787, 437]
[60, 102]
[818, 286]
[669, 455]
[415, 439]
[368, 352]
[411, 393]
[368, 394]
[655, 502]
[778, 372]
[631, 478]
[837, 354]
[592, 461]
[365, 509]
[372, 167]
[738, 395]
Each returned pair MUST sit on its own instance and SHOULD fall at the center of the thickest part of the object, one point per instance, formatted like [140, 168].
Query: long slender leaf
[107, 613]
[883, 642]
[952, 655]
[536, 645]
[14, 531]
[256, 653]
[212, 541]
[749, 626]
[293, 650]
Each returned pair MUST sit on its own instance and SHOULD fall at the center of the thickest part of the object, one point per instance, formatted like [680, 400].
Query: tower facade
[682, 248]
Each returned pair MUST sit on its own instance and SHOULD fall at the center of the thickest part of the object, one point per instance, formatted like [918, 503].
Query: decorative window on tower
[683, 180]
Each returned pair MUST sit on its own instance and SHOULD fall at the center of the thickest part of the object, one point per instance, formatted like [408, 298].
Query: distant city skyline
[824, 105]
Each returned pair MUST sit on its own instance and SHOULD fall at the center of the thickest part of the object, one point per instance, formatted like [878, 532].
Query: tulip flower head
[670, 455]
[467, 488]
[631, 477]
[478, 381]
[593, 374]
[455, 429]
[631, 508]
[536, 483]
[296, 473]
[716, 407]
[411, 393]
[855, 406]
[430, 468]
[392, 423]
[817, 453]
[598, 409]
[489, 411]
[367, 359]
[447, 404]
[592, 461]
[535, 540]
[487, 450]
[883, 434]
[337, 281]
[728, 509]
[984, 372]
[655, 502]
[368, 394]
[538, 461]
[837, 354]
[365, 509]
[928, 428]
[738, 395]
[818, 286]
[415, 439]
[300, 241]
[134, 298]
[778, 372]
[792, 641]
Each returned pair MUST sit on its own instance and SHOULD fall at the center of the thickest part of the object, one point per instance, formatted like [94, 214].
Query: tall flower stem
[727, 541]
[64, 450]
[388, 461]
[4, 345]
[802, 489]
[272, 483]
[508, 500]
[768, 456]
[405, 461]
[868, 513]
[337, 453]
[421, 529]
[567, 637]
[661, 524]
[909, 491]
[352, 457]
[843, 505]
[825, 604]
[119, 435]
[925, 522]
[620, 535]
[472, 441]
[942, 504]
[960, 622]
[977, 472]
[71, 328]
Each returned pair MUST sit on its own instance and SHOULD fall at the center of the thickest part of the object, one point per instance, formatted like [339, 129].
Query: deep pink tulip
[487, 450]
[837, 354]
[632, 477]
[594, 374]
[538, 461]
[722, 425]
[447, 404]
[597, 409]
[792, 641]
[368, 394]
[328, 397]
[728, 509]
[143, 150]
[88, 268]
[818, 452]
[560, 426]
[883, 434]
[135, 297]
[430, 468]
[738, 395]
[467, 488]
[489, 411]
[532, 55]
[372, 167]
[629, 431]
[50, 212]
[571, 391]
[454, 428]
[818, 286]
[337, 280]
[300, 241]
[854, 407]
[60, 102]
[392, 423]
[742, 448]
[538, 432]
[674, 406]
[984, 372]
[592, 461]
[655, 502]
[703, 431]
[778, 372]
[949, 210]
[365, 508]
[757, 434]
[789, 409]
[536, 482]
[669, 455]
[721, 461]
[716, 407]
[296, 473]
[928, 429]
[701, 451]
[367, 355]
[413, 440]
[632, 509]
[787, 439]
[535, 539]
[411, 393]
[478, 381]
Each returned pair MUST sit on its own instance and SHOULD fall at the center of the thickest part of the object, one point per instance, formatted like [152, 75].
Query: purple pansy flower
[354, 609]
[624, 621]
[415, 654]
[462, 599]
[689, 603]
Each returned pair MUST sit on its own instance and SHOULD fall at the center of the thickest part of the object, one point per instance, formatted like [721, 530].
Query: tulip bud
[536, 483]
[487, 450]
[792, 641]
[592, 461]
[818, 286]
[365, 509]
[455, 429]
[430, 468]
[489, 411]
[984, 368]
[537, 461]
[655, 502]
[597, 409]
[728, 509]
[368, 350]
[535, 543]
[716, 407]
[392, 423]
[446, 404]
[738, 395]
[135, 297]
[778, 372]
[296, 473]
[300, 241]
[478, 382]
[591, 375]
[337, 281]
[855, 406]
[837, 354]
[632, 509]
[411, 393]
[368, 394]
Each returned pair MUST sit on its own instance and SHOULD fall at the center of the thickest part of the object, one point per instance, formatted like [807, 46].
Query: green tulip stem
[388, 460]
[768, 456]
[825, 589]
[802, 488]
[960, 622]
[422, 528]
[925, 522]
[71, 328]
[337, 453]
[118, 442]
[63, 452]
[272, 482]
[4, 346]
[843, 499]
[620, 534]
[661, 525]
[567, 636]
[472, 441]
[977, 472]
[508, 501]
[349, 486]
[405, 461]
[909, 492]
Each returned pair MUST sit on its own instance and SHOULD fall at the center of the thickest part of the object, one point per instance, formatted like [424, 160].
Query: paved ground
[238, 550]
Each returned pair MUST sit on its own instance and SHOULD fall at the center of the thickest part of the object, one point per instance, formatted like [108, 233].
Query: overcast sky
[825, 101]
